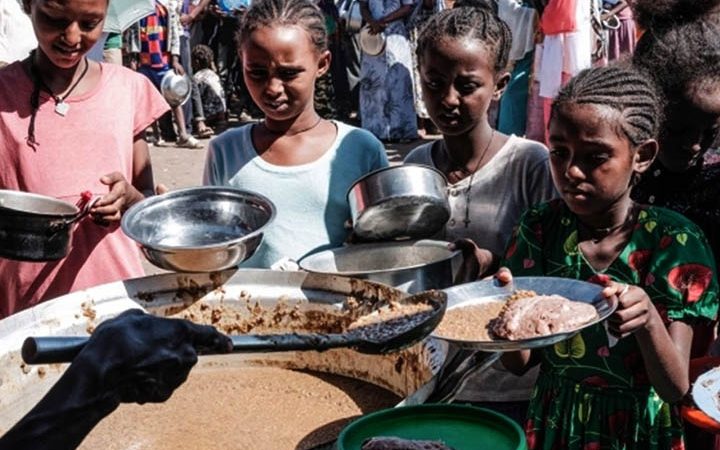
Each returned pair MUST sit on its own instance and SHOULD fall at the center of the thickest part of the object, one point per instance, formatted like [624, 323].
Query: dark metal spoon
[378, 338]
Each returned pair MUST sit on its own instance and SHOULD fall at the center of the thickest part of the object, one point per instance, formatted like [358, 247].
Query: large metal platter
[410, 373]
[489, 290]
[706, 393]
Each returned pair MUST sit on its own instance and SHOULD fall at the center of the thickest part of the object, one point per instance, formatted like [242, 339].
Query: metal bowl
[371, 44]
[400, 202]
[409, 266]
[200, 229]
[175, 88]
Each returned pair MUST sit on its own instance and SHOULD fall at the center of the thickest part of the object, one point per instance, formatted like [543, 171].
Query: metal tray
[489, 290]
[705, 393]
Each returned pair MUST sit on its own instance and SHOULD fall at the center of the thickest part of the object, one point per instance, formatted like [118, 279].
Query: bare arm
[665, 351]
[400, 13]
[519, 363]
[142, 168]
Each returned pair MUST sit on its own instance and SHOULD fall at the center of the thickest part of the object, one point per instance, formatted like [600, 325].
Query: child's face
[458, 84]
[591, 160]
[66, 29]
[690, 128]
[280, 65]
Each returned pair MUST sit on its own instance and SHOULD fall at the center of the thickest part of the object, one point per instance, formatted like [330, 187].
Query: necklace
[295, 133]
[61, 108]
[598, 234]
[463, 169]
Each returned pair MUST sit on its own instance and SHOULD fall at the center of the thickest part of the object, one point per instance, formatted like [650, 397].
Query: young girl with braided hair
[593, 392]
[303, 163]
[463, 56]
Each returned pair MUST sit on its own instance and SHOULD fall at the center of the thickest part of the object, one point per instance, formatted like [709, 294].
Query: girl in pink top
[68, 125]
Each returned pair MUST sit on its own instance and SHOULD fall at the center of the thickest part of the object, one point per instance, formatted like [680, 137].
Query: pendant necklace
[61, 108]
[462, 168]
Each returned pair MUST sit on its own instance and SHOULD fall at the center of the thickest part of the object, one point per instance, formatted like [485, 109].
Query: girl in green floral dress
[596, 392]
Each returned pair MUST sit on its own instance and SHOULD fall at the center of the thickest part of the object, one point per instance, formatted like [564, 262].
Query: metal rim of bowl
[45, 198]
[164, 89]
[398, 167]
[181, 192]
[452, 255]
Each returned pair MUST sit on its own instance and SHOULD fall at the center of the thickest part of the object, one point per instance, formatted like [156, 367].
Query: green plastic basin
[461, 427]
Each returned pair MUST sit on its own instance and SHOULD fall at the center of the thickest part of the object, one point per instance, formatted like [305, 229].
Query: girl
[590, 392]
[68, 125]
[463, 55]
[303, 163]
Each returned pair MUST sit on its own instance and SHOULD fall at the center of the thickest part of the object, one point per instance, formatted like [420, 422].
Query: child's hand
[477, 262]
[635, 309]
[122, 195]
[504, 276]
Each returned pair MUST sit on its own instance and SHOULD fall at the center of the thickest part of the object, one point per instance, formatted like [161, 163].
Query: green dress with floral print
[590, 395]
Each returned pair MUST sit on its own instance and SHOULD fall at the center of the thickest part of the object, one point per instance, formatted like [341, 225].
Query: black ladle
[385, 337]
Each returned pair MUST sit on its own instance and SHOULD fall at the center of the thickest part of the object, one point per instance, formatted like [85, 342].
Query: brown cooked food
[469, 323]
[527, 315]
[248, 408]
[393, 443]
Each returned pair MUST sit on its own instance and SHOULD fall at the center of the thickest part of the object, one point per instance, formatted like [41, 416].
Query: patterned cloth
[591, 396]
[211, 92]
[153, 39]
[386, 81]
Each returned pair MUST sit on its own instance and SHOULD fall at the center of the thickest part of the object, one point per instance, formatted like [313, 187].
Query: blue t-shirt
[311, 200]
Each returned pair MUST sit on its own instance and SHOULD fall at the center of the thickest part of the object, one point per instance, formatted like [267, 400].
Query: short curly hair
[202, 57]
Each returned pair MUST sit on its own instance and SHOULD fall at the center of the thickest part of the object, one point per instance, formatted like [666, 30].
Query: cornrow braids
[622, 88]
[468, 23]
[653, 14]
[681, 57]
[303, 13]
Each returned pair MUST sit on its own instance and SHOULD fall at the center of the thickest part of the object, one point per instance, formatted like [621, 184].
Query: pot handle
[85, 203]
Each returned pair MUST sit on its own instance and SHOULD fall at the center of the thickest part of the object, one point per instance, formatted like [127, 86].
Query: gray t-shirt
[517, 177]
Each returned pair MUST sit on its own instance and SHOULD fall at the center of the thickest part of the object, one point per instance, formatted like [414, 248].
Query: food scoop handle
[63, 349]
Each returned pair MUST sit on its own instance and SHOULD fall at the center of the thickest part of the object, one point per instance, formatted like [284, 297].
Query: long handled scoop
[367, 334]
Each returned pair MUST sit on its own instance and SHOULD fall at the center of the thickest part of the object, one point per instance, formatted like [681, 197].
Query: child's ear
[501, 84]
[645, 155]
[324, 63]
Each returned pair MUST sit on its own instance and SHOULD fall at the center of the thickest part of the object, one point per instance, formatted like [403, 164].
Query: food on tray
[469, 323]
[523, 315]
[391, 321]
[527, 315]
[394, 443]
[258, 408]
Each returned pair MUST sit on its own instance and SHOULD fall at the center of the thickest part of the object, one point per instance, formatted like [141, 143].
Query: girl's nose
[573, 172]
[274, 87]
[71, 35]
[451, 99]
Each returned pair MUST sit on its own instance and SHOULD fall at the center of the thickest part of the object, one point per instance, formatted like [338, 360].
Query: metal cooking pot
[409, 266]
[200, 229]
[35, 227]
[400, 202]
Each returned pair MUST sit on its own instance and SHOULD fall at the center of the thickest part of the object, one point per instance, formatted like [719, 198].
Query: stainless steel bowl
[401, 202]
[200, 229]
[371, 44]
[409, 266]
[176, 88]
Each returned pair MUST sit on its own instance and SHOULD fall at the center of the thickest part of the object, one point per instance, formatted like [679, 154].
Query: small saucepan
[35, 227]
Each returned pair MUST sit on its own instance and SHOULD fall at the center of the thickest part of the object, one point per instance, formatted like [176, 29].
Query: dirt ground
[179, 168]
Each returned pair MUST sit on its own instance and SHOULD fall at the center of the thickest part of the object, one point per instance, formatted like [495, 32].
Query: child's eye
[599, 158]
[558, 153]
[288, 74]
[257, 74]
[467, 88]
[89, 26]
[432, 85]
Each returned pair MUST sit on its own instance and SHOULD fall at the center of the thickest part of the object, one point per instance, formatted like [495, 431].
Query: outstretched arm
[134, 358]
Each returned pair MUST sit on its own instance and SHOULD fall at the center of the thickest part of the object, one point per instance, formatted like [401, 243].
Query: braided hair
[303, 13]
[653, 14]
[681, 57]
[468, 23]
[627, 90]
